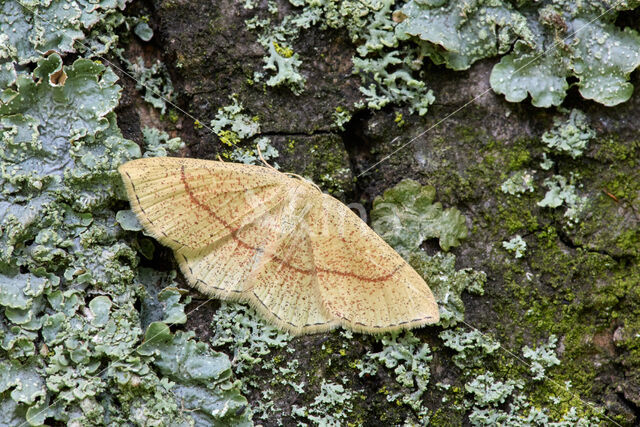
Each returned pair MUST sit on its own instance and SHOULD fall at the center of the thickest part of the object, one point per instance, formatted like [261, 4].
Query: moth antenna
[220, 158]
[262, 158]
[303, 179]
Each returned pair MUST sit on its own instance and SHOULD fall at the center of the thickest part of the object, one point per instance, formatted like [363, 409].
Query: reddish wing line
[233, 232]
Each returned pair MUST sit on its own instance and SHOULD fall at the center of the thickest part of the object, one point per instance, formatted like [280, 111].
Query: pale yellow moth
[301, 258]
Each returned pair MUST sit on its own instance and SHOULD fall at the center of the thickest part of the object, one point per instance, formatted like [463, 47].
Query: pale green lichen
[158, 143]
[532, 417]
[251, 156]
[340, 117]
[202, 377]
[551, 42]
[571, 40]
[447, 283]
[396, 217]
[252, 342]
[69, 280]
[143, 30]
[389, 73]
[389, 80]
[471, 347]
[542, 357]
[232, 125]
[519, 182]
[165, 302]
[331, 407]
[486, 390]
[516, 245]
[408, 358]
[128, 220]
[281, 62]
[461, 33]
[546, 162]
[520, 412]
[104, 37]
[563, 192]
[285, 63]
[406, 215]
[570, 136]
[250, 338]
[505, 400]
[32, 29]
[154, 82]
[543, 46]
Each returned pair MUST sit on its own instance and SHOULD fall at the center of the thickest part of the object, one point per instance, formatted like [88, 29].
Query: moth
[301, 258]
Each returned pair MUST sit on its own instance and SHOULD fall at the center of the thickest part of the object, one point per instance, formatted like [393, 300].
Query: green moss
[575, 313]
[624, 185]
[612, 149]
[516, 215]
[322, 159]
[518, 156]
[559, 266]
[172, 116]
[467, 134]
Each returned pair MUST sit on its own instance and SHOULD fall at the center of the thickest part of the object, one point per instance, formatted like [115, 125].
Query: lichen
[251, 156]
[202, 377]
[447, 283]
[252, 342]
[341, 116]
[516, 245]
[486, 390]
[232, 125]
[519, 182]
[406, 215]
[506, 398]
[461, 33]
[389, 73]
[153, 82]
[383, 83]
[281, 62]
[545, 44]
[570, 136]
[331, 407]
[542, 357]
[470, 347]
[570, 40]
[546, 162]
[409, 359]
[561, 191]
[70, 278]
[158, 143]
[250, 338]
[285, 63]
[143, 30]
[31, 29]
